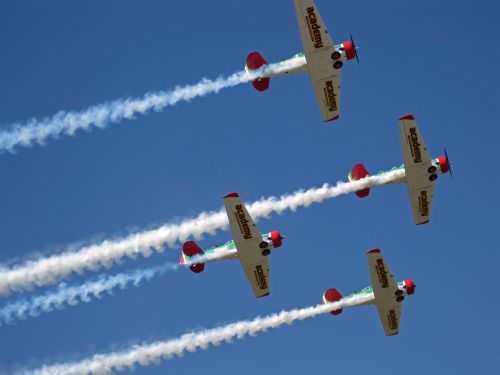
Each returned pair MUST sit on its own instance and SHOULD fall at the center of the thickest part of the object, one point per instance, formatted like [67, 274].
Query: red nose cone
[350, 52]
[444, 164]
[276, 238]
[410, 287]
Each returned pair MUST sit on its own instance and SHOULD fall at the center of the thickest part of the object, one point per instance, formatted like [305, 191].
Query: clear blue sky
[437, 60]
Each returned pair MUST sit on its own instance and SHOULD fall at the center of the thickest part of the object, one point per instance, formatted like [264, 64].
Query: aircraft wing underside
[417, 163]
[247, 239]
[318, 48]
[384, 289]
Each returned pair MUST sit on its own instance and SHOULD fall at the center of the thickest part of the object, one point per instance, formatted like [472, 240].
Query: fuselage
[298, 63]
[225, 251]
[402, 180]
[367, 293]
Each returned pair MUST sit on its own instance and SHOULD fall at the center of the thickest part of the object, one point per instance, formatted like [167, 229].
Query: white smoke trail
[66, 295]
[101, 115]
[153, 353]
[52, 269]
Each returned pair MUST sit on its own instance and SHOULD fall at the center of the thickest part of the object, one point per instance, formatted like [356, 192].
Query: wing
[384, 288]
[390, 317]
[247, 239]
[417, 162]
[318, 48]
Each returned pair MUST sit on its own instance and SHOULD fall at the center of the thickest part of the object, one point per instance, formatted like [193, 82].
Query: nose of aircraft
[351, 50]
[410, 287]
[444, 163]
[277, 238]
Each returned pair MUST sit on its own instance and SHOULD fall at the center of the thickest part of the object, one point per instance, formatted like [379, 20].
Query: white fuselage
[296, 64]
[369, 296]
[402, 180]
[228, 250]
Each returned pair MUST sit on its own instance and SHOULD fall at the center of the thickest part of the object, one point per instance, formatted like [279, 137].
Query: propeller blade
[355, 49]
[449, 162]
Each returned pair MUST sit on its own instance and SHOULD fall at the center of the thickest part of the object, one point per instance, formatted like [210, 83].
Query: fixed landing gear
[336, 55]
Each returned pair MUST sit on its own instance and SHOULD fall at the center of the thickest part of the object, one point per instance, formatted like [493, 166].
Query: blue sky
[438, 61]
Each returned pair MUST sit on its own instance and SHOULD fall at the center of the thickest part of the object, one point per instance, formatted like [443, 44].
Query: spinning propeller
[354, 46]
[449, 162]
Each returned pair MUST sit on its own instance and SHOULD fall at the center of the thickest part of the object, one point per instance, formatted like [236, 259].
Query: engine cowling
[358, 172]
[444, 164]
[276, 238]
[332, 295]
[349, 50]
[409, 286]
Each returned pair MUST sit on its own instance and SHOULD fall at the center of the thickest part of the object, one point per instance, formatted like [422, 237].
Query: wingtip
[374, 251]
[233, 194]
[407, 117]
[332, 119]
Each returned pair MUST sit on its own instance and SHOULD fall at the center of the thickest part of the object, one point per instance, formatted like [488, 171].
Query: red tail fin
[190, 249]
[254, 62]
[332, 295]
[358, 172]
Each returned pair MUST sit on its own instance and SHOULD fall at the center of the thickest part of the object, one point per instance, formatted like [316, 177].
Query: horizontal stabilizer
[254, 62]
[358, 172]
[189, 250]
[330, 296]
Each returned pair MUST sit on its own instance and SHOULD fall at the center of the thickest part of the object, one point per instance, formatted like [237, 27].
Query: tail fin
[332, 295]
[190, 249]
[358, 172]
[254, 62]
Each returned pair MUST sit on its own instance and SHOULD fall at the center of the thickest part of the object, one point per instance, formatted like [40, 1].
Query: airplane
[420, 170]
[249, 246]
[385, 293]
[321, 58]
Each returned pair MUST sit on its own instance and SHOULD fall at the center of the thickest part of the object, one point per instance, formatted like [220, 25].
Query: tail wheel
[336, 55]
[432, 169]
[400, 298]
[338, 64]
[263, 245]
[433, 177]
[398, 292]
[266, 252]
